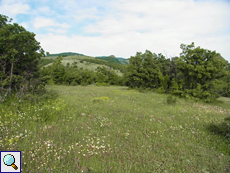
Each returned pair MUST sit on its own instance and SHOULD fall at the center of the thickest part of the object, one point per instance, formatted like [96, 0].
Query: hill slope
[83, 61]
[64, 54]
[112, 58]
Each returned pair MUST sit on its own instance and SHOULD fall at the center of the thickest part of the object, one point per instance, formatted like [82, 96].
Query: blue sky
[124, 27]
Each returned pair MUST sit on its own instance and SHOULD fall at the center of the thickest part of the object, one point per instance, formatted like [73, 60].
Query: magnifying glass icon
[9, 160]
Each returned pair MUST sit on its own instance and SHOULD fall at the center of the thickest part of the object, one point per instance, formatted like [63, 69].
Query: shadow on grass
[222, 129]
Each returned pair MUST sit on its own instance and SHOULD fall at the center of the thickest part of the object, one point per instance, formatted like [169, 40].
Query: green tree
[134, 71]
[201, 70]
[225, 91]
[72, 76]
[148, 70]
[87, 77]
[58, 71]
[19, 54]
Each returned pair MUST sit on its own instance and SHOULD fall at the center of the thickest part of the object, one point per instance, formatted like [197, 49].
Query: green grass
[113, 129]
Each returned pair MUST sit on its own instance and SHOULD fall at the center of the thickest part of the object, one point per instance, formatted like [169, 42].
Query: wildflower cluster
[126, 134]
[93, 146]
[47, 111]
[103, 121]
[213, 109]
[7, 117]
[10, 139]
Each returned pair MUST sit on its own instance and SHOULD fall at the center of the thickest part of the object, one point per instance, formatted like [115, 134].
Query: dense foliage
[195, 74]
[19, 54]
[226, 82]
[57, 73]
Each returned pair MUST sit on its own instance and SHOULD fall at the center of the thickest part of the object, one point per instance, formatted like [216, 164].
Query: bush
[51, 82]
[161, 90]
[84, 84]
[171, 100]
[40, 97]
[222, 129]
[74, 83]
[142, 90]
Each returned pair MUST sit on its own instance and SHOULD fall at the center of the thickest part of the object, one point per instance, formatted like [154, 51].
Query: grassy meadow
[113, 129]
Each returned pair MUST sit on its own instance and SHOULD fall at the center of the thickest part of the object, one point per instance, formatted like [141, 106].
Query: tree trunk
[10, 82]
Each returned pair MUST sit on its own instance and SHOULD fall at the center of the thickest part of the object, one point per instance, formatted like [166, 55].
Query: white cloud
[128, 26]
[44, 10]
[158, 16]
[58, 31]
[165, 24]
[41, 22]
[11, 8]
[124, 45]
[83, 14]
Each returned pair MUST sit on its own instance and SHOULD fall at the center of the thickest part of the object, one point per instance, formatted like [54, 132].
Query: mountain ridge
[65, 54]
[111, 58]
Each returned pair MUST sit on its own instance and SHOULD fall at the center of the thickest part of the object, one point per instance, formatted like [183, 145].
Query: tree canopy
[19, 54]
[195, 74]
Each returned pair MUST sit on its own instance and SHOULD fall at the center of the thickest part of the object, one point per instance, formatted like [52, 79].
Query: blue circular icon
[9, 159]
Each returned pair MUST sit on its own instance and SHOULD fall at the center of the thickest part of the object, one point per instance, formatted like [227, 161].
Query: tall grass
[112, 129]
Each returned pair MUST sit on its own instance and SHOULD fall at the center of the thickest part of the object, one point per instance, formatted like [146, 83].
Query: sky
[124, 27]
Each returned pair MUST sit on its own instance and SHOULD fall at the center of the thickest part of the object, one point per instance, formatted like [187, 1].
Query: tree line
[196, 73]
[57, 73]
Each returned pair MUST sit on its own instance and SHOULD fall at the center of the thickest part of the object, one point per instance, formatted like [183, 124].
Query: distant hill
[125, 61]
[64, 54]
[85, 62]
[110, 58]
[121, 59]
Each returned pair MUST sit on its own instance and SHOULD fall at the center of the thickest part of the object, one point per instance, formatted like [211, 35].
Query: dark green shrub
[84, 84]
[171, 100]
[40, 97]
[74, 83]
[141, 90]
